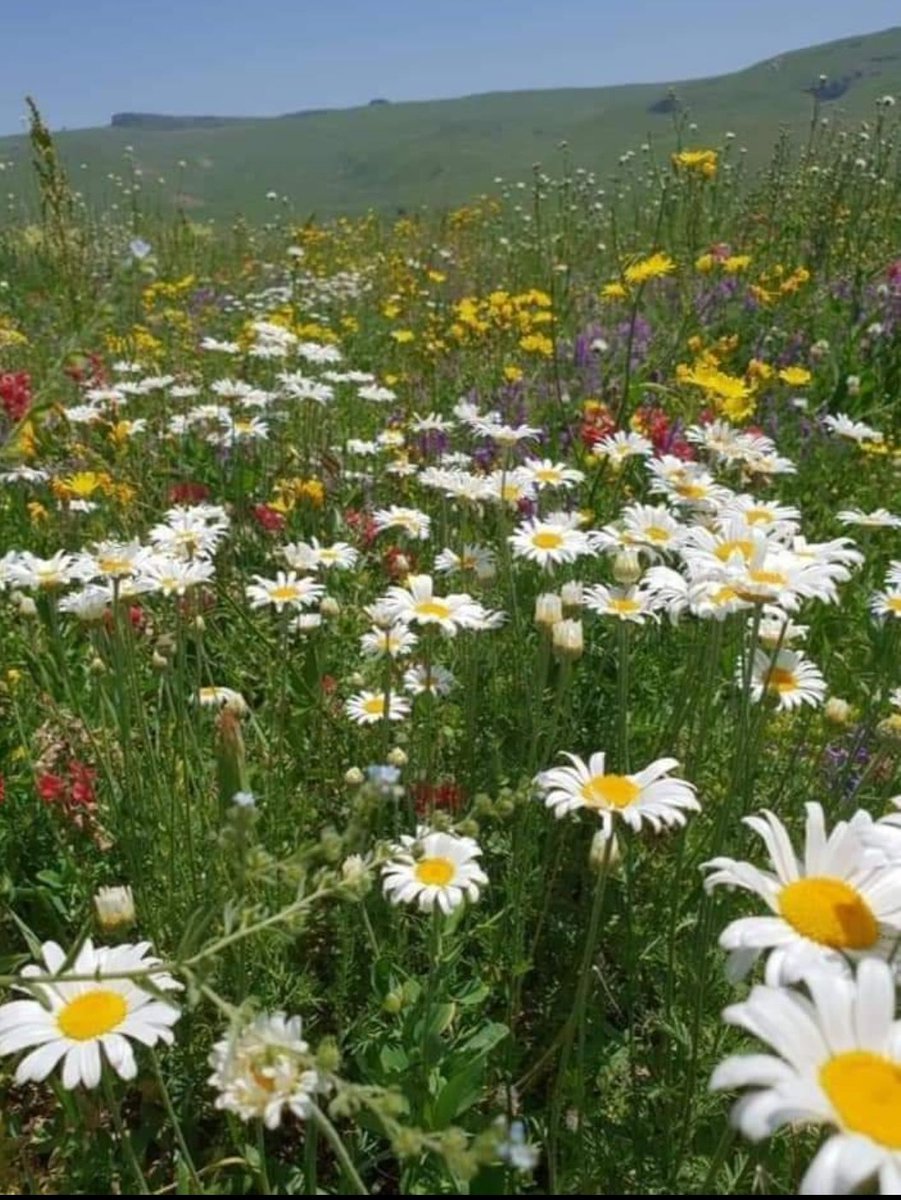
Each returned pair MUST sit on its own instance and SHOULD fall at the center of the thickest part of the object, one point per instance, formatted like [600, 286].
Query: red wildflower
[446, 796]
[268, 518]
[15, 394]
[188, 493]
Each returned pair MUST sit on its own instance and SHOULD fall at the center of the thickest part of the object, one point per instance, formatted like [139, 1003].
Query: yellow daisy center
[737, 546]
[830, 912]
[374, 706]
[433, 608]
[435, 872]
[759, 516]
[724, 595]
[286, 591]
[548, 475]
[547, 540]
[91, 1015]
[115, 566]
[865, 1091]
[781, 679]
[624, 606]
[692, 491]
[656, 533]
[894, 603]
[774, 578]
[609, 791]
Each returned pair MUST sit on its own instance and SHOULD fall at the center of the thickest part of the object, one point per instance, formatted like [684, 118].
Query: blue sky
[85, 59]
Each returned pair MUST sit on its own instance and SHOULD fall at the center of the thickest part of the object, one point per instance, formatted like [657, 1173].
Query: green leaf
[459, 1094]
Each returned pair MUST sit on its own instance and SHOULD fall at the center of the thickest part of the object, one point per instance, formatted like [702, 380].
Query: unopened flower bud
[568, 639]
[571, 594]
[329, 606]
[159, 661]
[115, 908]
[548, 609]
[354, 777]
[627, 566]
[397, 757]
[837, 711]
[26, 605]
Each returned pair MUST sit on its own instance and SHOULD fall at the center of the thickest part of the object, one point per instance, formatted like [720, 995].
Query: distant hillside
[400, 156]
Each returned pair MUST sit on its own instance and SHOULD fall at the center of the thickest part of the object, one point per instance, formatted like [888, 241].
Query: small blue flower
[139, 249]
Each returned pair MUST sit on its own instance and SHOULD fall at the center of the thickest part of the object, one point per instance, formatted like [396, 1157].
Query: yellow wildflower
[795, 376]
[403, 336]
[654, 267]
[613, 291]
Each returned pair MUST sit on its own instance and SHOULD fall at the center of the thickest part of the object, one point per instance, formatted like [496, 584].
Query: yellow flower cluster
[522, 313]
[696, 162]
[291, 492]
[138, 342]
[732, 264]
[81, 485]
[733, 396]
[10, 335]
[162, 290]
[778, 282]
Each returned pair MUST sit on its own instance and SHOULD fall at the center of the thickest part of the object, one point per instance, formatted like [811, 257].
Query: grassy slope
[442, 152]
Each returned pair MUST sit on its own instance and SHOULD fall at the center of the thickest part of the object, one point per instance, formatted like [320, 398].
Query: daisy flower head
[74, 1020]
[617, 447]
[432, 869]
[651, 795]
[835, 1060]
[264, 1069]
[887, 603]
[855, 431]
[787, 677]
[411, 521]
[368, 708]
[286, 590]
[625, 603]
[479, 560]
[436, 680]
[550, 542]
[310, 556]
[548, 474]
[836, 902]
[417, 604]
[222, 697]
[879, 518]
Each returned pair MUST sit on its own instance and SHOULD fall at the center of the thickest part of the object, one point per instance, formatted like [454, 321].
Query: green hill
[389, 156]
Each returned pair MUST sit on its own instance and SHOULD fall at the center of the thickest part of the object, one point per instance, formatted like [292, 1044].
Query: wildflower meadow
[450, 684]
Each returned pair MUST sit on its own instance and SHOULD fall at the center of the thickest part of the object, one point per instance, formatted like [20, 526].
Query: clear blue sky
[85, 59]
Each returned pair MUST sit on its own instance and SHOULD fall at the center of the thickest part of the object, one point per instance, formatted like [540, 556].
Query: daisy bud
[853, 385]
[571, 594]
[397, 757]
[159, 661]
[25, 604]
[548, 609]
[97, 666]
[329, 606]
[355, 873]
[353, 777]
[115, 908]
[627, 566]
[568, 639]
[199, 623]
[837, 711]
[393, 1002]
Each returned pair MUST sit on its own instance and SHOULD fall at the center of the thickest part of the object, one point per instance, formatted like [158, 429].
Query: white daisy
[548, 474]
[285, 590]
[856, 431]
[411, 521]
[74, 1020]
[436, 680]
[650, 795]
[368, 708]
[789, 678]
[879, 518]
[625, 603]
[418, 604]
[265, 1068]
[835, 904]
[837, 1062]
[434, 869]
[549, 542]
[887, 603]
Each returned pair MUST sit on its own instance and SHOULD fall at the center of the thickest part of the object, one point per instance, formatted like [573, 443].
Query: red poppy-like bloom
[188, 493]
[268, 518]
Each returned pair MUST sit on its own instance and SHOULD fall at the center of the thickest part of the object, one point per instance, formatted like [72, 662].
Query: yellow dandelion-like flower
[795, 376]
[656, 266]
[614, 291]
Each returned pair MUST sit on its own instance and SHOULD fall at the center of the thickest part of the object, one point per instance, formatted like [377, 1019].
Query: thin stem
[327, 1129]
